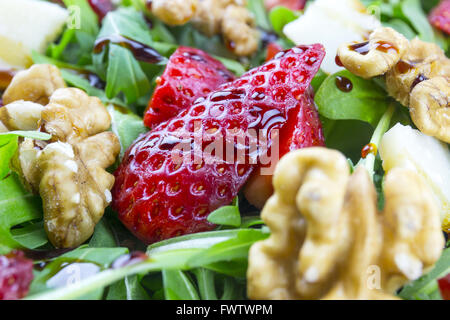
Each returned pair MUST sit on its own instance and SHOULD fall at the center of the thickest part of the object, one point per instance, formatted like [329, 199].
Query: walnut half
[328, 240]
[69, 171]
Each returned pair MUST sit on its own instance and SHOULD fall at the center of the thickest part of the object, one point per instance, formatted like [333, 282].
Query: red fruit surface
[190, 74]
[16, 273]
[101, 7]
[440, 16]
[272, 49]
[444, 287]
[291, 4]
[158, 197]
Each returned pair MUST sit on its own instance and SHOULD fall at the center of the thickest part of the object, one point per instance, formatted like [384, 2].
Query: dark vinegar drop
[362, 48]
[344, 84]
[338, 61]
[404, 67]
[418, 80]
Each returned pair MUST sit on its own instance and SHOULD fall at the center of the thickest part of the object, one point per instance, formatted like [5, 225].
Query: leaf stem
[383, 125]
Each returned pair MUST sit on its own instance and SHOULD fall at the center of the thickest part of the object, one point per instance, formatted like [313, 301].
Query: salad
[224, 150]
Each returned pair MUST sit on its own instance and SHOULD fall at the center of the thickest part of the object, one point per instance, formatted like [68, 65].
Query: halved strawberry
[291, 4]
[16, 273]
[440, 16]
[444, 287]
[272, 49]
[190, 74]
[171, 178]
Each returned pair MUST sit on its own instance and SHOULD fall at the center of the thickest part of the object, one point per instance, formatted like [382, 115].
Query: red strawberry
[444, 287]
[291, 4]
[272, 49]
[158, 197]
[190, 74]
[300, 131]
[440, 16]
[101, 7]
[16, 273]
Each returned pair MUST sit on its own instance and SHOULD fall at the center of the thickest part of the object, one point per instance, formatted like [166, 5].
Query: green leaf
[232, 249]
[9, 145]
[402, 27]
[413, 11]
[88, 18]
[83, 84]
[232, 65]
[206, 285]
[124, 74]
[281, 16]
[126, 22]
[426, 287]
[103, 236]
[347, 136]
[126, 125]
[178, 286]
[16, 206]
[366, 101]
[318, 79]
[226, 215]
[31, 236]
[129, 288]
[259, 11]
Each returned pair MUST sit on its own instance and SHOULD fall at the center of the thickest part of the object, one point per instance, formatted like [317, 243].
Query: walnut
[239, 31]
[72, 115]
[422, 60]
[35, 84]
[21, 115]
[174, 12]
[230, 18]
[417, 76]
[328, 236]
[376, 56]
[429, 107]
[69, 171]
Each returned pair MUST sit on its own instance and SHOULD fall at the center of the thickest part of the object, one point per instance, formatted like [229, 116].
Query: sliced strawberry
[190, 74]
[440, 16]
[101, 7]
[291, 4]
[272, 49]
[444, 287]
[159, 196]
[16, 273]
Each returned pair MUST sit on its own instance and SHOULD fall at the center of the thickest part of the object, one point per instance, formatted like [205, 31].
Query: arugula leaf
[124, 74]
[31, 236]
[413, 11]
[78, 38]
[178, 286]
[9, 144]
[226, 215]
[126, 125]
[281, 16]
[16, 206]
[366, 101]
[234, 248]
[402, 27]
[129, 288]
[206, 285]
[103, 236]
[260, 14]
[426, 287]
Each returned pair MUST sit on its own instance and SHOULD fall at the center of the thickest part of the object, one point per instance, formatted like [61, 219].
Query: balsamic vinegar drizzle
[344, 84]
[141, 52]
[363, 48]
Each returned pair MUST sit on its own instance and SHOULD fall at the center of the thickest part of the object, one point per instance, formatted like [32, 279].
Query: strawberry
[444, 287]
[157, 196]
[291, 4]
[440, 16]
[16, 273]
[272, 49]
[190, 74]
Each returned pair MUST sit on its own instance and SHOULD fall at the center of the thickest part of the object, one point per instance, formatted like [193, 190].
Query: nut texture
[328, 237]
[35, 84]
[174, 12]
[383, 50]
